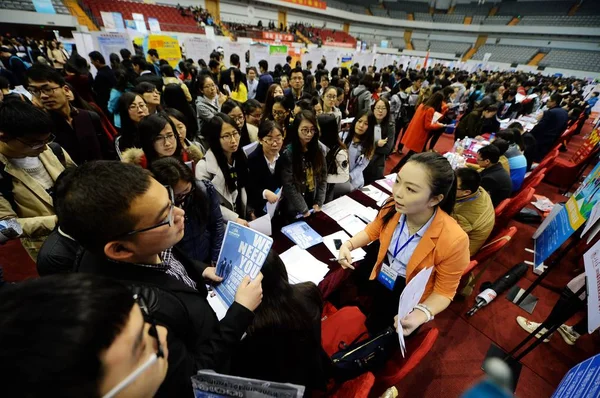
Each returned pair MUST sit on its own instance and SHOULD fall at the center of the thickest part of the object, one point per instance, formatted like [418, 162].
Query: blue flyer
[581, 381]
[243, 252]
[302, 234]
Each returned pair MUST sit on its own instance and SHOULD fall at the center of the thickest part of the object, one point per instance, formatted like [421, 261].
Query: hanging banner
[198, 48]
[109, 43]
[119, 24]
[167, 47]
[154, 25]
[108, 21]
[572, 216]
[278, 36]
[140, 23]
[309, 3]
[44, 6]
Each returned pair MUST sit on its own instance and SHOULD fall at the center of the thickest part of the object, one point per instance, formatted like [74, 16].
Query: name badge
[387, 276]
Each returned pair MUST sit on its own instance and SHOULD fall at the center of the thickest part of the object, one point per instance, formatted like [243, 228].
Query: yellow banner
[167, 47]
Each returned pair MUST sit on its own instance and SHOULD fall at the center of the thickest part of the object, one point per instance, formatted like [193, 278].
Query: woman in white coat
[225, 165]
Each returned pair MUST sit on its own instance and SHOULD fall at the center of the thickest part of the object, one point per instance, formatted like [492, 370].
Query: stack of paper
[301, 266]
[357, 254]
[387, 182]
[341, 207]
[302, 234]
[352, 224]
[376, 194]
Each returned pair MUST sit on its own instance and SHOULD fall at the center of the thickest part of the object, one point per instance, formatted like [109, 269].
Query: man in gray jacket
[363, 94]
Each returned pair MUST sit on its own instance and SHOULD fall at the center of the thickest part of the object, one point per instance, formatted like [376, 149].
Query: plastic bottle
[391, 392]
[456, 145]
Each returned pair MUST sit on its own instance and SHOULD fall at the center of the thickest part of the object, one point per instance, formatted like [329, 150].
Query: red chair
[533, 182]
[547, 163]
[501, 207]
[398, 367]
[515, 205]
[470, 267]
[359, 387]
[566, 172]
[494, 245]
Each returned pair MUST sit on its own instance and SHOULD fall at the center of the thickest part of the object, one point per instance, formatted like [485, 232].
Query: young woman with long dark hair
[253, 111]
[234, 110]
[283, 344]
[304, 172]
[209, 100]
[194, 150]
[239, 92]
[132, 108]
[204, 227]
[174, 97]
[415, 231]
[225, 165]
[150, 94]
[384, 138]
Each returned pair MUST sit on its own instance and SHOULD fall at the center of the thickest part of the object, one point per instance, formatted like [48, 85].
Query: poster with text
[167, 47]
[198, 48]
[112, 42]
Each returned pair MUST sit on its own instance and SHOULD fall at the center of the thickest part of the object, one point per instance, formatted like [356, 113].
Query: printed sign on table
[591, 260]
[581, 381]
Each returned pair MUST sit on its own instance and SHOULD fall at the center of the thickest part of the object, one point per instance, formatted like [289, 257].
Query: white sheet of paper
[302, 266]
[436, 117]
[376, 194]
[591, 261]
[352, 224]
[262, 224]
[217, 305]
[411, 295]
[592, 219]
[357, 254]
[248, 149]
[272, 207]
[368, 213]
[341, 207]
[387, 182]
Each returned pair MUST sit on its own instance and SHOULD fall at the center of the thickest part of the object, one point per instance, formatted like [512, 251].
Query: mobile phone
[337, 243]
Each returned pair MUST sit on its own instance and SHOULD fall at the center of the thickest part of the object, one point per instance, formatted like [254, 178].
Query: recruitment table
[324, 225]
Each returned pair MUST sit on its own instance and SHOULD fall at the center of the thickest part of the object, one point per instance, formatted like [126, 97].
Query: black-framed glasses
[168, 221]
[230, 137]
[180, 198]
[308, 131]
[160, 353]
[37, 144]
[36, 92]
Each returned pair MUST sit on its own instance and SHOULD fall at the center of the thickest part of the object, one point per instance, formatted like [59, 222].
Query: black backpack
[353, 104]
[6, 186]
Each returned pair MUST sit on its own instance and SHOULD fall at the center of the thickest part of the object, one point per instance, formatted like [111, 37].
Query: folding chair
[513, 207]
[534, 182]
[398, 367]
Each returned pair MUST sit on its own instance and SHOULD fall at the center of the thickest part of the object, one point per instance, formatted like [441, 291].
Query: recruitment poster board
[112, 42]
[574, 214]
[198, 47]
[591, 261]
[167, 47]
[581, 381]
[277, 55]
[258, 52]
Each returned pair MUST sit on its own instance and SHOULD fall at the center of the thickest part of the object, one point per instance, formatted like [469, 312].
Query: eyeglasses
[164, 138]
[37, 144]
[209, 86]
[273, 140]
[168, 221]
[331, 97]
[230, 137]
[308, 131]
[380, 108]
[141, 106]
[238, 118]
[36, 92]
[280, 113]
[139, 299]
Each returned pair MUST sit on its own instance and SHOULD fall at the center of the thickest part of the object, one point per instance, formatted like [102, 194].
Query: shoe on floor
[530, 327]
[568, 334]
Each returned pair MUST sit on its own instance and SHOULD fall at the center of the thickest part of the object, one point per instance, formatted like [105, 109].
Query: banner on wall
[44, 6]
[309, 3]
[259, 52]
[112, 42]
[277, 54]
[108, 21]
[167, 47]
[277, 36]
[572, 216]
[154, 25]
[140, 23]
[119, 24]
[198, 48]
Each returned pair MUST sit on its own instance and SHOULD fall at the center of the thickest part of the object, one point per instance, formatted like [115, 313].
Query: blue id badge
[387, 276]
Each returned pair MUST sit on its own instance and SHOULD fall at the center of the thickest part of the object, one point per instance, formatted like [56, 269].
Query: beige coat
[34, 207]
[475, 215]
[174, 80]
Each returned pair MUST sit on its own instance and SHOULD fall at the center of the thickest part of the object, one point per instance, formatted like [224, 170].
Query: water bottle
[9, 229]
[456, 145]
[492, 137]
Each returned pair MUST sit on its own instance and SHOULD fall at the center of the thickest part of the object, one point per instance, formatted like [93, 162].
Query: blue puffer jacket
[202, 242]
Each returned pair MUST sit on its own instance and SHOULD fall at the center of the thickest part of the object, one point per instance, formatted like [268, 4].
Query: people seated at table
[132, 109]
[100, 334]
[550, 127]
[265, 167]
[336, 158]
[253, 112]
[360, 142]
[384, 131]
[233, 109]
[283, 343]
[128, 224]
[471, 124]
[494, 179]
[502, 146]
[303, 172]
[226, 166]
[415, 231]
[150, 94]
[204, 227]
[516, 160]
[28, 171]
[159, 138]
[473, 210]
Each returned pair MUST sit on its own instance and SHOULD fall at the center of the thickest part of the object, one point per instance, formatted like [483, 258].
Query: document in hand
[208, 384]
[302, 234]
[270, 208]
[411, 296]
[262, 225]
[301, 266]
[436, 116]
[243, 252]
[357, 254]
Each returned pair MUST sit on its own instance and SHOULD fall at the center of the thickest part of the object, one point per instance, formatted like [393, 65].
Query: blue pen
[300, 215]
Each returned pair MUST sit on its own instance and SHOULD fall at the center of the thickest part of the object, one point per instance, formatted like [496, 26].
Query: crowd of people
[123, 183]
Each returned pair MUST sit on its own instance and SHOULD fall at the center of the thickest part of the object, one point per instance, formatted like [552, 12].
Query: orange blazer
[417, 132]
[445, 246]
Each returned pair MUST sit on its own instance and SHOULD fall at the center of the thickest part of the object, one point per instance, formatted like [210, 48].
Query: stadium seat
[359, 387]
[514, 206]
[546, 164]
[494, 245]
[565, 172]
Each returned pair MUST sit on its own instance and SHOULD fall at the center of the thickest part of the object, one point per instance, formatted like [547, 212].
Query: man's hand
[382, 143]
[249, 293]
[210, 273]
[271, 197]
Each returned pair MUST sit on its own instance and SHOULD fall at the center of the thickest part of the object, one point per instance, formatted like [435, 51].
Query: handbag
[363, 355]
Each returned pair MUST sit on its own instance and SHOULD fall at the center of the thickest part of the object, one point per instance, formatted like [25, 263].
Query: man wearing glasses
[97, 337]
[128, 224]
[78, 131]
[296, 85]
[28, 170]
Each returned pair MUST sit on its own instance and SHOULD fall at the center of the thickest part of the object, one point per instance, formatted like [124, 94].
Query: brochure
[208, 384]
[302, 234]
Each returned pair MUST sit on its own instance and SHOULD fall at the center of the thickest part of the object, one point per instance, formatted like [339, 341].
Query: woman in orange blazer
[415, 232]
[416, 135]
